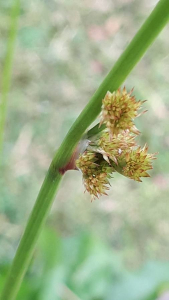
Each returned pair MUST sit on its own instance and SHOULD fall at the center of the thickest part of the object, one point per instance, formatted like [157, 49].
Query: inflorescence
[114, 149]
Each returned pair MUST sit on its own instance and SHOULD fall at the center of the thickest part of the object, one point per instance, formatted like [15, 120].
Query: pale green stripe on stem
[7, 71]
[133, 53]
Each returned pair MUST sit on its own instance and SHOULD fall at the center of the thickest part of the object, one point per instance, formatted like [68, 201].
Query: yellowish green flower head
[115, 148]
[136, 163]
[119, 109]
[96, 173]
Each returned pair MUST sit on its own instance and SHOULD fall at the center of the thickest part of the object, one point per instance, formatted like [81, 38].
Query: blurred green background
[115, 248]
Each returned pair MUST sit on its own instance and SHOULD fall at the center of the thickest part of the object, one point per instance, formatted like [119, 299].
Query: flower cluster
[115, 148]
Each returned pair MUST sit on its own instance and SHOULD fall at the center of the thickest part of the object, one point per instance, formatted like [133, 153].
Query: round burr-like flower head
[119, 109]
[115, 146]
[137, 163]
[96, 173]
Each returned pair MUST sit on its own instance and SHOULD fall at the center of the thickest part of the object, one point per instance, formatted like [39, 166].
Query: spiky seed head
[137, 163]
[96, 173]
[115, 146]
[119, 109]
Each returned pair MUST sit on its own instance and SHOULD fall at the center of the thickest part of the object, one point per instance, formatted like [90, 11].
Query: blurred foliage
[82, 267]
[64, 50]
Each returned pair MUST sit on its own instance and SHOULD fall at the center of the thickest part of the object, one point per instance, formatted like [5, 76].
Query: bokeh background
[115, 248]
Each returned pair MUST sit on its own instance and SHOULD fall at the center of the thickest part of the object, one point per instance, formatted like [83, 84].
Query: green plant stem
[31, 233]
[95, 130]
[133, 53]
[7, 71]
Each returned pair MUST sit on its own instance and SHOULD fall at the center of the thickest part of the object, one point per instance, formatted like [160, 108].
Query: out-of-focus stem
[7, 71]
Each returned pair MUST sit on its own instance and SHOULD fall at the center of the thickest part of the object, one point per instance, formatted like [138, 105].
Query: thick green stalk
[6, 75]
[133, 53]
[29, 238]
